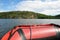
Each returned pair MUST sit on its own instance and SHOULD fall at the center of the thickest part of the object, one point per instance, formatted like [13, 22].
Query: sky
[48, 7]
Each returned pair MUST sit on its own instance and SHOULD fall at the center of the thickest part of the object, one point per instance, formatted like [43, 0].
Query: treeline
[25, 15]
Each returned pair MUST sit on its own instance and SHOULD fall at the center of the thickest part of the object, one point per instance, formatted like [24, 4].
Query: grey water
[7, 24]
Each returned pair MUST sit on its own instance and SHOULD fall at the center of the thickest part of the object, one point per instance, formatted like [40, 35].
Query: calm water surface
[7, 24]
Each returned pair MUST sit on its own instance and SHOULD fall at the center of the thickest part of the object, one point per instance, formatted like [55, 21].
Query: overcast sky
[48, 7]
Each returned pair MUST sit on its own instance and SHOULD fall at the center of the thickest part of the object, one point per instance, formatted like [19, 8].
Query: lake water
[7, 24]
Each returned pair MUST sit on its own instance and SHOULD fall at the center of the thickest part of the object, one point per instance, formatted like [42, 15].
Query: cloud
[1, 11]
[49, 8]
[51, 12]
[42, 0]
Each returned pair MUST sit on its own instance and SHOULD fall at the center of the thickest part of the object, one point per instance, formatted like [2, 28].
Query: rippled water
[7, 24]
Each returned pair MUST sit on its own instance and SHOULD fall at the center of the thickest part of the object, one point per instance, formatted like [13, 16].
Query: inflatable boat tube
[33, 32]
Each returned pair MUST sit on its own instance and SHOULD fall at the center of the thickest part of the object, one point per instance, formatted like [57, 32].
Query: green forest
[26, 15]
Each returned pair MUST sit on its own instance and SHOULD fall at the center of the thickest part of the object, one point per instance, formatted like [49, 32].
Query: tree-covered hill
[57, 16]
[25, 15]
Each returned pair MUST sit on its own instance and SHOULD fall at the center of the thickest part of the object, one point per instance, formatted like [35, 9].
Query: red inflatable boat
[33, 32]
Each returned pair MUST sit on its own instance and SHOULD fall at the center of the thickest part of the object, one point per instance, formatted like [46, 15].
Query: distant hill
[57, 16]
[25, 15]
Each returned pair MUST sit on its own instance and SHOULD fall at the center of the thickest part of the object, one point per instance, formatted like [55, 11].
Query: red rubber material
[32, 32]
